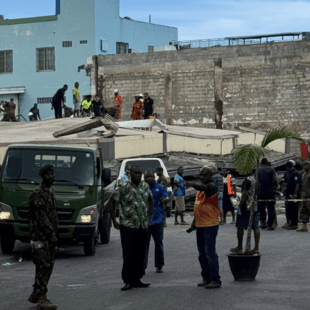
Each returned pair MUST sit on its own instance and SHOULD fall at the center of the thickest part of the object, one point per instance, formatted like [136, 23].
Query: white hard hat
[141, 95]
[30, 114]
[293, 162]
[115, 91]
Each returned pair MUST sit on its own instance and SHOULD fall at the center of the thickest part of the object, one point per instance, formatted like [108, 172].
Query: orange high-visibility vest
[230, 188]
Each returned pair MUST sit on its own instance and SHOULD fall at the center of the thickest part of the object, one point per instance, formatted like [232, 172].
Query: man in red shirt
[118, 102]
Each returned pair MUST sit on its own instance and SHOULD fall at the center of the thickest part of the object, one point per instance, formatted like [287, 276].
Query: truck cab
[79, 190]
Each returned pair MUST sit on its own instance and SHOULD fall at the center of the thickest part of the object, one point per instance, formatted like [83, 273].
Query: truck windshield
[151, 164]
[74, 167]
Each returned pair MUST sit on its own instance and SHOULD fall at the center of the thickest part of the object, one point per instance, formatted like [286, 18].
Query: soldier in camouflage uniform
[9, 111]
[305, 194]
[43, 236]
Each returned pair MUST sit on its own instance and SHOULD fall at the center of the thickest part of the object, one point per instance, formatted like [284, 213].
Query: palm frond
[245, 157]
[287, 132]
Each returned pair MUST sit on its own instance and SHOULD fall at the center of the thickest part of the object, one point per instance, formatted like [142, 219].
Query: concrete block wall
[261, 86]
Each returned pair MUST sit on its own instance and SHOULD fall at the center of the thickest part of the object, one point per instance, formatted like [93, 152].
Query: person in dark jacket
[58, 101]
[148, 107]
[43, 225]
[35, 113]
[267, 180]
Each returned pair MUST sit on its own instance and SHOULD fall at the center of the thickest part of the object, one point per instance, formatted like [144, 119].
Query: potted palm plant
[244, 267]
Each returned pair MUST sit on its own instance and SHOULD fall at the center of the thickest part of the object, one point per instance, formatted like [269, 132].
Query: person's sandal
[176, 223]
[184, 223]
[236, 250]
[253, 252]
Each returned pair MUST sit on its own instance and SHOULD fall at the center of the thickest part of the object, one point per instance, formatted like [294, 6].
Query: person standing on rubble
[179, 196]
[97, 105]
[86, 106]
[76, 99]
[35, 112]
[148, 107]
[59, 100]
[267, 180]
[9, 111]
[118, 103]
[137, 109]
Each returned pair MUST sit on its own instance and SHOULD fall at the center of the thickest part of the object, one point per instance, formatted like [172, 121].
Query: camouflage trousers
[44, 260]
[8, 117]
[304, 211]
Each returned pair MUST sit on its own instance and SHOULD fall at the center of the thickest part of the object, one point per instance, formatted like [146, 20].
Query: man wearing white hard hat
[118, 102]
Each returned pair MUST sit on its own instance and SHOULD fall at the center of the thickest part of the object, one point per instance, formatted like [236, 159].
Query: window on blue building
[44, 100]
[67, 44]
[122, 48]
[83, 42]
[6, 62]
[46, 59]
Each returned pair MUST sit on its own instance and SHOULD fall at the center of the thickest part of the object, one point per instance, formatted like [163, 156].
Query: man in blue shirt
[179, 196]
[125, 177]
[156, 225]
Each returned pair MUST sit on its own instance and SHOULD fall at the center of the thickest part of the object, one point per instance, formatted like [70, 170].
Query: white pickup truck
[145, 164]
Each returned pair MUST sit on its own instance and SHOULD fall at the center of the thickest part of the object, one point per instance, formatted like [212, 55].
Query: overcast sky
[196, 19]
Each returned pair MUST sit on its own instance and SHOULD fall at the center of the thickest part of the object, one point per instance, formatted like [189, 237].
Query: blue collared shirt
[158, 191]
[124, 177]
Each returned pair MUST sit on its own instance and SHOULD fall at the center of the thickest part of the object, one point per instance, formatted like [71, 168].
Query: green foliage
[281, 133]
[246, 156]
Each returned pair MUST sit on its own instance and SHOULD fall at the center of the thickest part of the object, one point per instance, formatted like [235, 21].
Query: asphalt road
[79, 282]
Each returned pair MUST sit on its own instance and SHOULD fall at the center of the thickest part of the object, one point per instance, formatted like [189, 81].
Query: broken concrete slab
[87, 126]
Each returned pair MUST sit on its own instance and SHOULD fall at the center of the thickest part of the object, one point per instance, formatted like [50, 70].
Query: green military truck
[79, 189]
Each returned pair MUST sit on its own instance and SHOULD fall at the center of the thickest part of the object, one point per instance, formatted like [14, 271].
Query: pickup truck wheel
[105, 227]
[90, 245]
[168, 211]
[7, 244]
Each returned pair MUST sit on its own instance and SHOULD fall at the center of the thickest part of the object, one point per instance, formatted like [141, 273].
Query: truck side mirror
[106, 176]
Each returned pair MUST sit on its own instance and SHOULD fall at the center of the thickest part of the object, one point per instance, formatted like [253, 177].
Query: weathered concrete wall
[260, 85]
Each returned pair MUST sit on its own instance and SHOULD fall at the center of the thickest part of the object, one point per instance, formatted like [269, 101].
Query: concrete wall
[136, 146]
[261, 86]
[77, 20]
[256, 138]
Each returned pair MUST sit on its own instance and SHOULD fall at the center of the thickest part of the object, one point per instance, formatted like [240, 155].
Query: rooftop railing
[246, 40]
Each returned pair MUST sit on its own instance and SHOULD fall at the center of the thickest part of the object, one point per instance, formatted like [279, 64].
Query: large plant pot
[244, 267]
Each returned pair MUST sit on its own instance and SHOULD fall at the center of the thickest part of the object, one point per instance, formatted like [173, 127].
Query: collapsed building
[258, 86]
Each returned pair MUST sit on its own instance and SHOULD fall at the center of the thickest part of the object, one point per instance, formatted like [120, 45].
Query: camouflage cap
[45, 169]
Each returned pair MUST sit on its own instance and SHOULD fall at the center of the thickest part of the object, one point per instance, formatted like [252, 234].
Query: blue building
[39, 55]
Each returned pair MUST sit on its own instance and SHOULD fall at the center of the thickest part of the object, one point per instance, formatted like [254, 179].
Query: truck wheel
[7, 244]
[105, 227]
[90, 245]
[168, 211]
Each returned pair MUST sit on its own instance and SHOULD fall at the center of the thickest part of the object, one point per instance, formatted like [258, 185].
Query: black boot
[126, 287]
[138, 283]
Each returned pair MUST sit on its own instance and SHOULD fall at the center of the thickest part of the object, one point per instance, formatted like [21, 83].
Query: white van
[145, 164]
